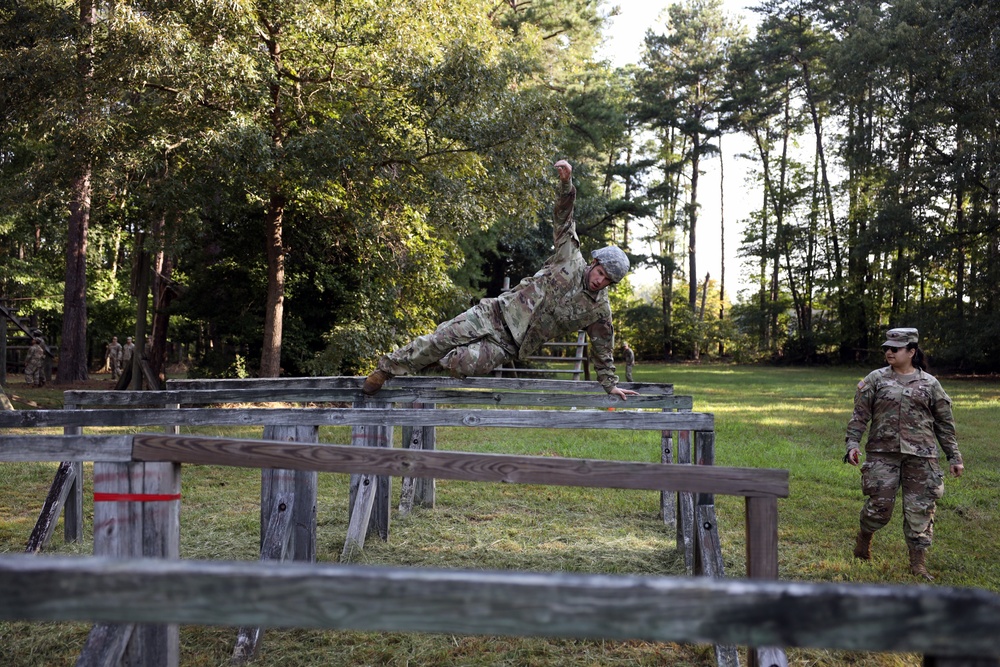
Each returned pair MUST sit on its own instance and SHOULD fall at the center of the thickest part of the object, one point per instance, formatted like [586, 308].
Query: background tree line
[296, 187]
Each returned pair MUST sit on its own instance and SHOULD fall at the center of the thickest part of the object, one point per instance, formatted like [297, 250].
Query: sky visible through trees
[625, 34]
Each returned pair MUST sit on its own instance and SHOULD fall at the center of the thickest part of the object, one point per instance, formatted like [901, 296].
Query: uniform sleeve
[563, 224]
[944, 425]
[602, 345]
[864, 400]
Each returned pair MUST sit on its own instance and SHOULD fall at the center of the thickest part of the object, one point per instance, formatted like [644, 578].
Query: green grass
[765, 417]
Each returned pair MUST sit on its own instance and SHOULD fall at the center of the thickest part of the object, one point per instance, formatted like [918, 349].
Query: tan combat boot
[375, 381]
[863, 545]
[918, 564]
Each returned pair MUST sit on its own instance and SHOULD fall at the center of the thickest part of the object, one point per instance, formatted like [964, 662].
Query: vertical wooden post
[425, 488]
[685, 500]
[299, 483]
[369, 496]
[762, 563]
[668, 499]
[412, 438]
[418, 490]
[762, 537]
[137, 514]
[705, 456]
[73, 508]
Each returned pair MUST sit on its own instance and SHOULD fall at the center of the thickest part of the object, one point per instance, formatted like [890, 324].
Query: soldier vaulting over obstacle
[566, 295]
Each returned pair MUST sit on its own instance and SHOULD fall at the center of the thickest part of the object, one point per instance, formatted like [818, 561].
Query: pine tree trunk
[73, 345]
[270, 358]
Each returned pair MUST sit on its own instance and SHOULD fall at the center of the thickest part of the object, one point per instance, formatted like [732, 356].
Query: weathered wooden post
[708, 548]
[369, 496]
[762, 563]
[685, 505]
[73, 505]
[668, 500]
[287, 522]
[418, 491]
[137, 514]
[301, 484]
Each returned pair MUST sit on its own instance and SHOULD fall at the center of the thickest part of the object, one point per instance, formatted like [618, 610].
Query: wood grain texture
[105, 645]
[111, 448]
[583, 419]
[925, 619]
[52, 507]
[461, 465]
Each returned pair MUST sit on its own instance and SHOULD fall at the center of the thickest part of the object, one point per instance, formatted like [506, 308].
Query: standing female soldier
[910, 414]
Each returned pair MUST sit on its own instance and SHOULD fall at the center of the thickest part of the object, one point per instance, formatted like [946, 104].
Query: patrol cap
[614, 261]
[900, 337]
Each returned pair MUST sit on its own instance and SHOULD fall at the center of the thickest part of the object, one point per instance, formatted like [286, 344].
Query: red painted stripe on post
[135, 497]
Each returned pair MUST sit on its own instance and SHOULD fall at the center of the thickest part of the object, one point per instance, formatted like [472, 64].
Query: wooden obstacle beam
[333, 458]
[953, 627]
[172, 416]
[492, 392]
[424, 391]
[652, 421]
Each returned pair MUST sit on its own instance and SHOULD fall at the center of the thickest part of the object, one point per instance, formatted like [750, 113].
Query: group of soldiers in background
[118, 356]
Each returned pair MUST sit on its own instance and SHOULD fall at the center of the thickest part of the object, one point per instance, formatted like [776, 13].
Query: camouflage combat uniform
[909, 415]
[33, 365]
[115, 357]
[553, 302]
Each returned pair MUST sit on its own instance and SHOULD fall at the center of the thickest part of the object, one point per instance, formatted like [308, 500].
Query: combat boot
[863, 545]
[375, 381]
[918, 564]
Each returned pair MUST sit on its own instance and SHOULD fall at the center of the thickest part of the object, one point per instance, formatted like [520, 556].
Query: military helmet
[614, 261]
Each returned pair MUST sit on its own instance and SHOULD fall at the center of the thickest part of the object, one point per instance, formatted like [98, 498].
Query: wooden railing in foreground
[943, 622]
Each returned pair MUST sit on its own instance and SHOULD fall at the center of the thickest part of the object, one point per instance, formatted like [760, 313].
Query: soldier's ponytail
[918, 357]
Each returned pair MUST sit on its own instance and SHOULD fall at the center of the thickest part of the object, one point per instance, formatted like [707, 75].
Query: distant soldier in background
[33, 364]
[128, 349]
[629, 362]
[115, 357]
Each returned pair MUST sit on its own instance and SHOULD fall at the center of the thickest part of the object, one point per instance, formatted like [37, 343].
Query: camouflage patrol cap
[900, 337]
[614, 261]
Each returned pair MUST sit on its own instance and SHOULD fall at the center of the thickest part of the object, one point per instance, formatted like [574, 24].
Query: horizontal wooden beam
[592, 473]
[932, 620]
[590, 419]
[393, 395]
[116, 448]
[413, 381]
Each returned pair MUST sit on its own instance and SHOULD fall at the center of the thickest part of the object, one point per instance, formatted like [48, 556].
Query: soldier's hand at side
[854, 456]
[623, 393]
[957, 469]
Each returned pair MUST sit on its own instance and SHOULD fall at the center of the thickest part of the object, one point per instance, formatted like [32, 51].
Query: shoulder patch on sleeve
[862, 385]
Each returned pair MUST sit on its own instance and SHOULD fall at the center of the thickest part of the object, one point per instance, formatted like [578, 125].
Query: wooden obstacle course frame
[370, 509]
[943, 622]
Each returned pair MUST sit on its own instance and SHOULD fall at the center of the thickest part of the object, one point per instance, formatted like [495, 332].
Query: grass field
[765, 417]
